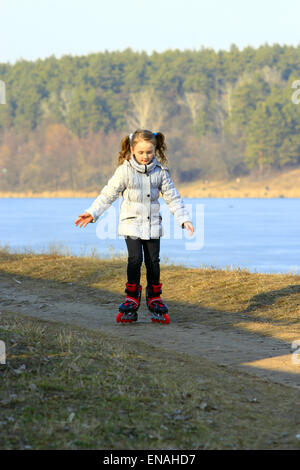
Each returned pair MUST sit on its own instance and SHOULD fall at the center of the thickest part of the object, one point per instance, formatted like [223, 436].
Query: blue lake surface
[262, 235]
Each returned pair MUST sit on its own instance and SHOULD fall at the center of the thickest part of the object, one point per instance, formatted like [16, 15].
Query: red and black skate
[128, 309]
[158, 309]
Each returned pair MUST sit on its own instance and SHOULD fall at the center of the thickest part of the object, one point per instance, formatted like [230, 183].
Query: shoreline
[272, 184]
[61, 251]
[211, 190]
[201, 193]
[284, 185]
[277, 185]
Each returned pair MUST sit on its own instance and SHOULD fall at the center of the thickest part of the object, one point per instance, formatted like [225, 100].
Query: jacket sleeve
[108, 194]
[173, 199]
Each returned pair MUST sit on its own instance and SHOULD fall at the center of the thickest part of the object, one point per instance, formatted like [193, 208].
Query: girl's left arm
[174, 200]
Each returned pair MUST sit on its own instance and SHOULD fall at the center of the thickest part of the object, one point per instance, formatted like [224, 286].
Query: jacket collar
[143, 168]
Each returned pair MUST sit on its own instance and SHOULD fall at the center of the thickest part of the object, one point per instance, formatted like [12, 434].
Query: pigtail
[125, 150]
[161, 147]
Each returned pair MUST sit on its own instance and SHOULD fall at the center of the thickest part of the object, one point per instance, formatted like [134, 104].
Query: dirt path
[260, 355]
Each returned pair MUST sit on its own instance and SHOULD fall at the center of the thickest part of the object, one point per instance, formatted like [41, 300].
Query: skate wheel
[167, 319]
[119, 317]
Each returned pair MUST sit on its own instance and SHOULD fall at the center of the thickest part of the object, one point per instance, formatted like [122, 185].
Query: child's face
[143, 151]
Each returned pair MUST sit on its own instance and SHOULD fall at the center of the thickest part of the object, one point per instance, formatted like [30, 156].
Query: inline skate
[128, 309]
[158, 309]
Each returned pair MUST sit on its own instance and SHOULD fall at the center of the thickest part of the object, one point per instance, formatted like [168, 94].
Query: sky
[32, 29]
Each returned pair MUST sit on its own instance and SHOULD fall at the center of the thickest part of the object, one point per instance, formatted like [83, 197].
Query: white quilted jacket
[140, 186]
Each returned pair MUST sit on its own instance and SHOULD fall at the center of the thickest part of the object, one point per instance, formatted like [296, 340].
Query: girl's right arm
[109, 194]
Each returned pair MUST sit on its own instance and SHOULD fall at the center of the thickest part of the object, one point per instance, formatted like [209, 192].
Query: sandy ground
[232, 346]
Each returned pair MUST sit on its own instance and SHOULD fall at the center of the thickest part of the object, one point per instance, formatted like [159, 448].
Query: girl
[142, 173]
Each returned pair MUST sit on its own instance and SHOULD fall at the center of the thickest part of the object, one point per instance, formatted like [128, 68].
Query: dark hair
[157, 139]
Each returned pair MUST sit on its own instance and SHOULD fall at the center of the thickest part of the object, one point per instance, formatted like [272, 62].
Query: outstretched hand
[189, 226]
[83, 219]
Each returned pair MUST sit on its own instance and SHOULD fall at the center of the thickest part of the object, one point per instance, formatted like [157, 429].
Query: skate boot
[158, 309]
[128, 309]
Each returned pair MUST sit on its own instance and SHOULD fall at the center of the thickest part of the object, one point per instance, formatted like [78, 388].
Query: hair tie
[155, 133]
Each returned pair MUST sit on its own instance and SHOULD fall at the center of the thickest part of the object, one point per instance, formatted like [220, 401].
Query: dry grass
[207, 295]
[286, 184]
[65, 387]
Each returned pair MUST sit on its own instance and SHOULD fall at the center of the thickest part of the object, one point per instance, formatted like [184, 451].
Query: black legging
[151, 249]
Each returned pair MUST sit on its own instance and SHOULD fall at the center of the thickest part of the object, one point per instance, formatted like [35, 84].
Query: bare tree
[194, 102]
[62, 101]
[2, 92]
[145, 110]
[273, 76]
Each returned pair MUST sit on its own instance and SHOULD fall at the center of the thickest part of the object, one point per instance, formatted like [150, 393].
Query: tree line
[225, 114]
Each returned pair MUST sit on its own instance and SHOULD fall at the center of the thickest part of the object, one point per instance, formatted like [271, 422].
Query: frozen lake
[262, 235]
